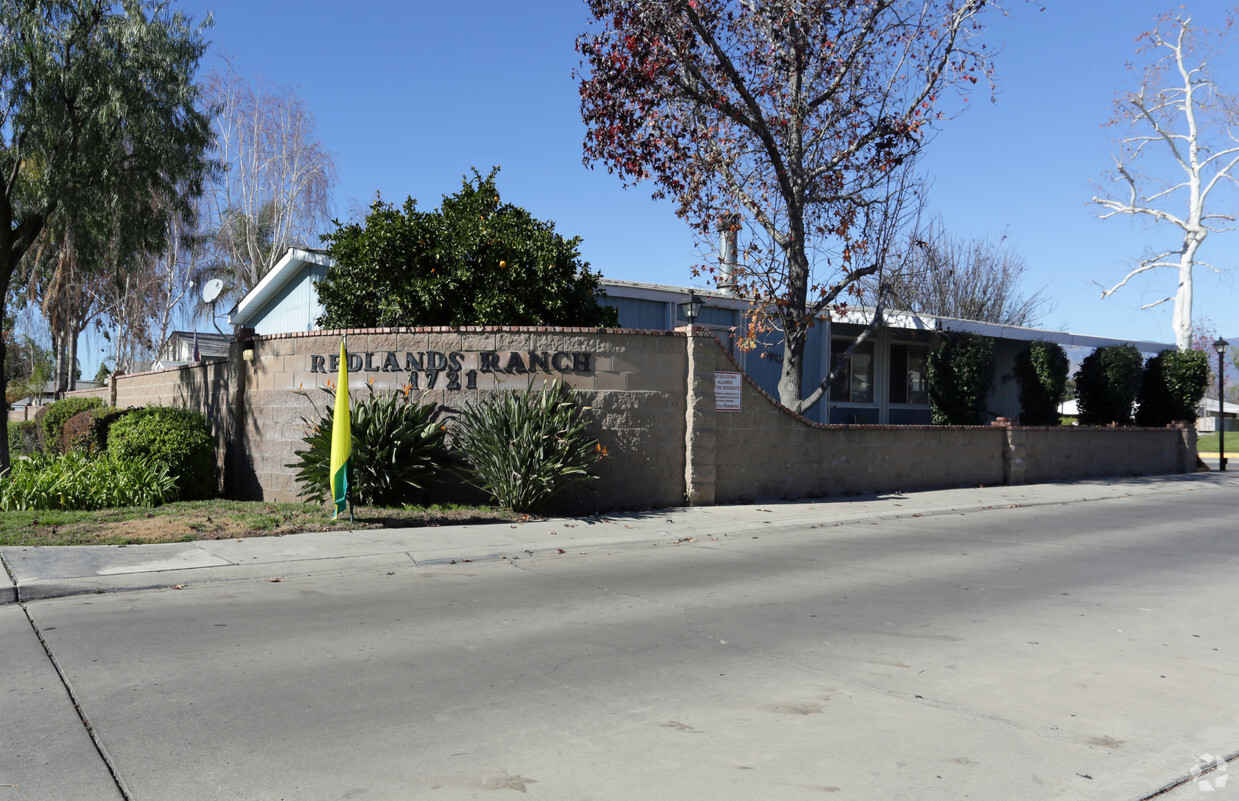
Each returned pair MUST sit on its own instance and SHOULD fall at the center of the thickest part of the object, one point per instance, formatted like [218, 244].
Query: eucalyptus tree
[98, 119]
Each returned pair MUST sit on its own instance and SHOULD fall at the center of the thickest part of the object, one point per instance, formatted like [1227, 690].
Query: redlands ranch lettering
[455, 363]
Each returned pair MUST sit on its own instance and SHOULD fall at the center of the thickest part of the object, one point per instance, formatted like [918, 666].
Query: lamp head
[692, 307]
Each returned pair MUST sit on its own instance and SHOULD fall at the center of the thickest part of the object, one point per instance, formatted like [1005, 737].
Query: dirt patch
[219, 520]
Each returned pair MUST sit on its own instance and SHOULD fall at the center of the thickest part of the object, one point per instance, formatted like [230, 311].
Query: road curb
[689, 525]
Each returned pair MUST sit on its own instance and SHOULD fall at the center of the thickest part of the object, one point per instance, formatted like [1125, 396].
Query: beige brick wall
[634, 388]
[644, 390]
[1069, 452]
[765, 451]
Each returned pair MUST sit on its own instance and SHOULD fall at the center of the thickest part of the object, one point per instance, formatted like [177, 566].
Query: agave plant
[525, 448]
[397, 450]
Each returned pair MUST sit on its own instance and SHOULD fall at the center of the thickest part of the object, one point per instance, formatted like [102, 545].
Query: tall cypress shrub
[1042, 372]
[1108, 382]
[960, 372]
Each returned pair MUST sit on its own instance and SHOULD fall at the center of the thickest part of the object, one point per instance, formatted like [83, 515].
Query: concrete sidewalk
[34, 573]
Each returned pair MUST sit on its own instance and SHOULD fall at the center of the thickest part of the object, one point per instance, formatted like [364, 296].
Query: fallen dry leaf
[275, 580]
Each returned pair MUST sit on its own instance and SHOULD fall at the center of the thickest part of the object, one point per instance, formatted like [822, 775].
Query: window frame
[906, 375]
[847, 377]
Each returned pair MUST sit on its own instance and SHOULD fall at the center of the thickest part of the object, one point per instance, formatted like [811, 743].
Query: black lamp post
[691, 307]
[1220, 347]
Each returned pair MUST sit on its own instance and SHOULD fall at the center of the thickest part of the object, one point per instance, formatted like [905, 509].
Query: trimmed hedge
[52, 420]
[23, 438]
[1174, 382]
[1108, 382]
[176, 439]
[960, 372]
[1042, 372]
[87, 432]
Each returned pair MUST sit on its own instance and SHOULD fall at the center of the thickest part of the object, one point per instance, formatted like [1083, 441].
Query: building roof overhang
[288, 265]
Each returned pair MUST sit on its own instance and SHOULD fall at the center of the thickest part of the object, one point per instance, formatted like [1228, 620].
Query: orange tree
[473, 261]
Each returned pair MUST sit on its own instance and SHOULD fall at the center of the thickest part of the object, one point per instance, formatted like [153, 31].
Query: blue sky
[410, 95]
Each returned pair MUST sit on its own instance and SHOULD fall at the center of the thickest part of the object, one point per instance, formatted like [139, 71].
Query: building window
[907, 374]
[854, 384]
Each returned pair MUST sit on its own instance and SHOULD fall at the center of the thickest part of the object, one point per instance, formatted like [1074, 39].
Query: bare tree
[274, 186]
[791, 113]
[1179, 118]
[972, 279]
[142, 302]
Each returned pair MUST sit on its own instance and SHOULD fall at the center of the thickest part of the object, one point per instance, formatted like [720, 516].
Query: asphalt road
[1076, 651]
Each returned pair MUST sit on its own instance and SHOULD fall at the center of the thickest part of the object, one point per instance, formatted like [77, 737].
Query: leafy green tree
[473, 261]
[98, 120]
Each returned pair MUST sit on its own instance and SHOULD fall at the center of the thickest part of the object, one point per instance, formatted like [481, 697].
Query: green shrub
[57, 413]
[75, 481]
[23, 438]
[1107, 382]
[960, 372]
[523, 448]
[1174, 382]
[1042, 372]
[397, 450]
[178, 440]
[87, 432]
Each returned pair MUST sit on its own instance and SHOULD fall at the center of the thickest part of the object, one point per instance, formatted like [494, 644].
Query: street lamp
[691, 307]
[1220, 347]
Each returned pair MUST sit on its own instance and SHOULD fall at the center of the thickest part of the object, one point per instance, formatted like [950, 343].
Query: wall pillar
[238, 481]
[1186, 446]
[1014, 451]
[699, 436]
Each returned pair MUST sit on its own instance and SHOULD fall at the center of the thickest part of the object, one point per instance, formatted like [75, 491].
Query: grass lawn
[217, 520]
[1208, 443]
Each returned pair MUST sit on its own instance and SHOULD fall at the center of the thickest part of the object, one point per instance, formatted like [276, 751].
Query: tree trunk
[1182, 320]
[60, 348]
[73, 333]
[792, 374]
[4, 396]
[793, 317]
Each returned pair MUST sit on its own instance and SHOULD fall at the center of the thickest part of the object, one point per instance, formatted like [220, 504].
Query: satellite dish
[212, 289]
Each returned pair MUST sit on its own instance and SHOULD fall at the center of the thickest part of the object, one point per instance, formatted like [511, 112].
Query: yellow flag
[341, 438]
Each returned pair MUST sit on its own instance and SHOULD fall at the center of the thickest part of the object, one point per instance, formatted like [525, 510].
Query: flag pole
[341, 440]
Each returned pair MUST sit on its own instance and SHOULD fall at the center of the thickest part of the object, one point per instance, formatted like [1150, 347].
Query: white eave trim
[1018, 333]
[273, 281]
